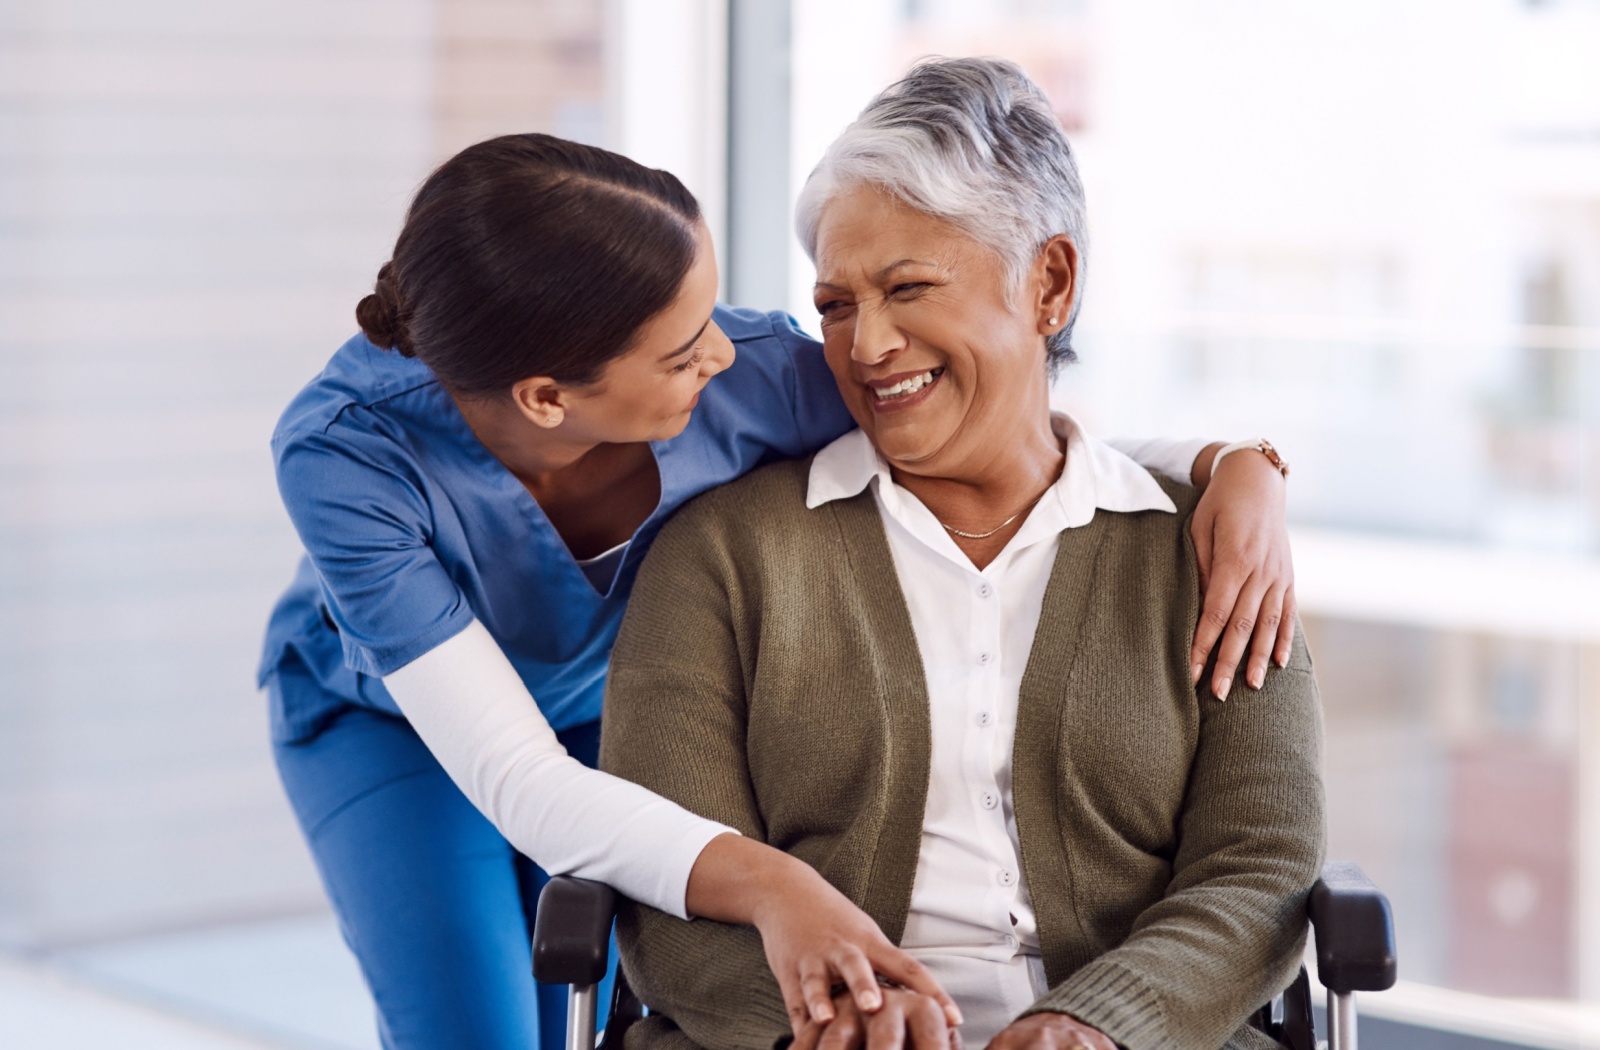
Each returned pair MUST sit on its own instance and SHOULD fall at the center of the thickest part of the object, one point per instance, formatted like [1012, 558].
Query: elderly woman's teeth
[908, 386]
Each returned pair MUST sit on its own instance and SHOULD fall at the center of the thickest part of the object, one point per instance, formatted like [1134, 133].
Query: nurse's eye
[831, 307]
[694, 359]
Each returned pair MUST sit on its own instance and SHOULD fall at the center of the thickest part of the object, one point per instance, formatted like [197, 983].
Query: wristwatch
[1261, 445]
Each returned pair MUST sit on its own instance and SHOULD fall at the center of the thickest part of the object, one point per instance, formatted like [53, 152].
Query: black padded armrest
[572, 931]
[1355, 931]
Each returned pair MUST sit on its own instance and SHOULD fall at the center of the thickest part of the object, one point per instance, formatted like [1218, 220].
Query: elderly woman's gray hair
[971, 141]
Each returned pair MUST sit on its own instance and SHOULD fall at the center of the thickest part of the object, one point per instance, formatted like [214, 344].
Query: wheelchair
[1350, 918]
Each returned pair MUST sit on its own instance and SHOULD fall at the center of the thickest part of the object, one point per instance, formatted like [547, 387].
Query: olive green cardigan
[767, 676]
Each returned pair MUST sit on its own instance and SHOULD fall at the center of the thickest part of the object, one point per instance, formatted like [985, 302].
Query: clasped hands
[911, 1021]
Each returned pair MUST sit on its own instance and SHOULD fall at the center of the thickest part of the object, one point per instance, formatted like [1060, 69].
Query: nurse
[543, 377]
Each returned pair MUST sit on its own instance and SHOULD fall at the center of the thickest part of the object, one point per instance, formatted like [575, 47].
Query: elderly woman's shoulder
[772, 496]
[1144, 533]
[1144, 537]
[1184, 496]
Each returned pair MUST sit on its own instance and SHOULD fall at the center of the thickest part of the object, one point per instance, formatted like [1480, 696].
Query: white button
[1008, 877]
[990, 800]
[1011, 942]
[985, 658]
[984, 590]
[985, 718]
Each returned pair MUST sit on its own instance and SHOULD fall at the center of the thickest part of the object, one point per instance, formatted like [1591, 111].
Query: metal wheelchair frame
[1350, 917]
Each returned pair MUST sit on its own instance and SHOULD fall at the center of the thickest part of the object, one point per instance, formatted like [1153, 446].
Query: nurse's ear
[541, 400]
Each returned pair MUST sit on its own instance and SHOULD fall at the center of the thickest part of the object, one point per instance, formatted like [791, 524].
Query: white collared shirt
[971, 919]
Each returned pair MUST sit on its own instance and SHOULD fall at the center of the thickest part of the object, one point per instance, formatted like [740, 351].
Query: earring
[1052, 320]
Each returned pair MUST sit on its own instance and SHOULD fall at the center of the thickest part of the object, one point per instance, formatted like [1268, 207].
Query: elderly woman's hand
[1050, 1031]
[906, 1021]
[1246, 574]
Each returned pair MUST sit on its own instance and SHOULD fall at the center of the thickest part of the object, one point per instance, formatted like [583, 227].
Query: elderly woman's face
[937, 363]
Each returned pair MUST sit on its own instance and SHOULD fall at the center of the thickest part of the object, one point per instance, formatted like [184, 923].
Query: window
[1369, 233]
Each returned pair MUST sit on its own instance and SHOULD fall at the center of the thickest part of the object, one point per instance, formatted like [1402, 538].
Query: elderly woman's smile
[941, 363]
[903, 390]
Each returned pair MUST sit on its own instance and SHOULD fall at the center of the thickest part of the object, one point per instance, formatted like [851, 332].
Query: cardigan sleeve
[1229, 932]
[675, 723]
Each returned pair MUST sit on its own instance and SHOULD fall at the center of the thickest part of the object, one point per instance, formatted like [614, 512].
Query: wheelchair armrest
[1355, 931]
[572, 931]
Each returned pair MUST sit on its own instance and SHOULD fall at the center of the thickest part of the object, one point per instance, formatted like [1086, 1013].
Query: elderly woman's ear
[1056, 270]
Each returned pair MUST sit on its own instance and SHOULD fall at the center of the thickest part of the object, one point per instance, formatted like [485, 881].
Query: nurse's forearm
[472, 710]
[1182, 459]
[736, 879]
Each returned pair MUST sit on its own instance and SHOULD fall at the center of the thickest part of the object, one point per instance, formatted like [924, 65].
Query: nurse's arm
[472, 710]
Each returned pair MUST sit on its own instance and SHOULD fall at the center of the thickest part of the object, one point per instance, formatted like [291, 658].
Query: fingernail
[1195, 671]
[1282, 661]
[824, 1014]
[1256, 679]
[873, 1000]
[1222, 688]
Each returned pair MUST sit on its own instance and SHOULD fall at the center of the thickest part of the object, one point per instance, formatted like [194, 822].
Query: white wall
[192, 196]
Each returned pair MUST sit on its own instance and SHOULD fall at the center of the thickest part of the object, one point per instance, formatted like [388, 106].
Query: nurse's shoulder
[777, 366]
[772, 338]
[347, 451]
[359, 376]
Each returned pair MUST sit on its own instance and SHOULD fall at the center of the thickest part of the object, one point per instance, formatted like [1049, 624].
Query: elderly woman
[945, 661]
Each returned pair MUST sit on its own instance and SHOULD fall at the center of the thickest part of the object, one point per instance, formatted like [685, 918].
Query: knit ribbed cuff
[1116, 1000]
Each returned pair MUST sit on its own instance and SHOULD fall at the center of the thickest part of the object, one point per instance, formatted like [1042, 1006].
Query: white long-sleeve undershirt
[1173, 457]
[472, 710]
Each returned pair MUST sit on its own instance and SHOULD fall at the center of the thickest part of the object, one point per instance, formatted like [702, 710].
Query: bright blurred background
[1369, 231]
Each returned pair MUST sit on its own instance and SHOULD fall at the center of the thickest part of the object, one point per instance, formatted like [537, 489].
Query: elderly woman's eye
[830, 306]
[909, 289]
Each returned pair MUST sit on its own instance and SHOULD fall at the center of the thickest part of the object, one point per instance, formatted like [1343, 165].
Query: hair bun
[381, 315]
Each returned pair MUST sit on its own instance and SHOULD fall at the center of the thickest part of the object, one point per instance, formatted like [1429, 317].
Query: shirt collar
[1095, 477]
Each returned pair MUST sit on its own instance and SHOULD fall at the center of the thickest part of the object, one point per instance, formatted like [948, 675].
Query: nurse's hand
[813, 936]
[1241, 539]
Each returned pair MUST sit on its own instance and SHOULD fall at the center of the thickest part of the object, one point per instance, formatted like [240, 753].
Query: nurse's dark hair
[528, 255]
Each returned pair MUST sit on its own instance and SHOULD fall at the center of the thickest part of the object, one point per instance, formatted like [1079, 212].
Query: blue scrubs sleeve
[819, 412]
[363, 516]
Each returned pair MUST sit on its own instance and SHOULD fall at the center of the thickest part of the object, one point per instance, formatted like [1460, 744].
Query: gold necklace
[997, 528]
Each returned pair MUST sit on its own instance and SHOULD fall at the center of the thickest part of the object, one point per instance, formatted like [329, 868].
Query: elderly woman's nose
[876, 335]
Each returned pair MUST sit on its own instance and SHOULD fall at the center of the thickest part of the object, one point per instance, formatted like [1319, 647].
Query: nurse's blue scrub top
[412, 529]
